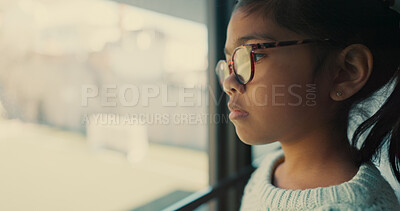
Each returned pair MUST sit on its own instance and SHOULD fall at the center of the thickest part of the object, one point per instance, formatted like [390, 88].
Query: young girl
[294, 70]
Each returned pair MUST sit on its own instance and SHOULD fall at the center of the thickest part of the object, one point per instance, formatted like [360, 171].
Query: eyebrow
[257, 36]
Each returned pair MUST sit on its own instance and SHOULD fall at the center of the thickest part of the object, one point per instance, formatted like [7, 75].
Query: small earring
[338, 94]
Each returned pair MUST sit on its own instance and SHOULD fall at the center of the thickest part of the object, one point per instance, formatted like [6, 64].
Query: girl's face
[281, 102]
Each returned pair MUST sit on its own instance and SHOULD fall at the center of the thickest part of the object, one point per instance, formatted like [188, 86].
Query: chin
[249, 139]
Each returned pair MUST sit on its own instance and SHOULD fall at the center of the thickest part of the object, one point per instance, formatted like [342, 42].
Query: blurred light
[144, 40]
[184, 56]
[140, 145]
[98, 40]
[41, 14]
[118, 132]
[131, 20]
[68, 94]
[26, 6]
[101, 13]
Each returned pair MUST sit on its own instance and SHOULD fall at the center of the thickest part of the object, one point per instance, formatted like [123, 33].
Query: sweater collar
[352, 191]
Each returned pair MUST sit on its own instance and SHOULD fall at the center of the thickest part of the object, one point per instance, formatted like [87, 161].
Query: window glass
[103, 106]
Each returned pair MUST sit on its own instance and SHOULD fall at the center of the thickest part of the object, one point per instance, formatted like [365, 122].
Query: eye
[258, 56]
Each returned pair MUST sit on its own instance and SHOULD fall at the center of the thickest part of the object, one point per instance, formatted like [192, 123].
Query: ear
[355, 65]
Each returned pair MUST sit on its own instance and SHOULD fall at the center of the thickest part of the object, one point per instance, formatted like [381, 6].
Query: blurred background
[103, 104]
[67, 140]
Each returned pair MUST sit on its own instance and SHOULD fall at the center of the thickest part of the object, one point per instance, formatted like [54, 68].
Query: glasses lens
[222, 71]
[242, 64]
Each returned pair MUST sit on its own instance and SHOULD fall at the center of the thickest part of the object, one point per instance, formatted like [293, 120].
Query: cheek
[281, 84]
[277, 121]
[281, 99]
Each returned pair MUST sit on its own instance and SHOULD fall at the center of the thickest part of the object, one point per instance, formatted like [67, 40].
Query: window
[104, 104]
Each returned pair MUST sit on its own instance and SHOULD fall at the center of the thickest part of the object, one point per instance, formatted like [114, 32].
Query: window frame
[230, 160]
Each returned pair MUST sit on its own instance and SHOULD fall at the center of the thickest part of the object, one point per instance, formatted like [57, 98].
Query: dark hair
[368, 22]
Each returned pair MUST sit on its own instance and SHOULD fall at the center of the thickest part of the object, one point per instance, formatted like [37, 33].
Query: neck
[315, 154]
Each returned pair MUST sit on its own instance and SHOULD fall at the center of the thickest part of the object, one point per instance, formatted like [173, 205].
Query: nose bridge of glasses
[230, 66]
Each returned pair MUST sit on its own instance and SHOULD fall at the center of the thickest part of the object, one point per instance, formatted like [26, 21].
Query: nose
[232, 86]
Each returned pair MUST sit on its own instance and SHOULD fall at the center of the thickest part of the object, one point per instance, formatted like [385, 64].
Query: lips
[237, 112]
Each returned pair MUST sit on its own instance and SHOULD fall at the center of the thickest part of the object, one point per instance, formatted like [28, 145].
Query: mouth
[237, 112]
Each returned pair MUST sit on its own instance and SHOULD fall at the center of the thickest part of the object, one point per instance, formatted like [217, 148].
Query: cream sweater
[367, 190]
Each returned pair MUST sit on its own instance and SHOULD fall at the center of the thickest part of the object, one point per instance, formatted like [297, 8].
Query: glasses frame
[274, 44]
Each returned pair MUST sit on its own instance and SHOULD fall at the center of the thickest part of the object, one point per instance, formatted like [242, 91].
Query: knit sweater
[367, 190]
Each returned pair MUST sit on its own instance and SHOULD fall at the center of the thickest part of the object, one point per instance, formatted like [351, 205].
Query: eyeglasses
[244, 58]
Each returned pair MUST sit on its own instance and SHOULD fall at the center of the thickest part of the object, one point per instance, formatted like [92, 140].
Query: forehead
[244, 28]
